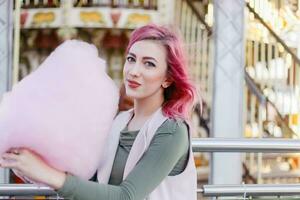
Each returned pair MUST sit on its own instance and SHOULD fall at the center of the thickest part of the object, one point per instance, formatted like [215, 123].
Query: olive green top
[167, 155]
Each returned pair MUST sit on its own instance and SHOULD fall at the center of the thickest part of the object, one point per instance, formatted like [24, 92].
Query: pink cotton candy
[63, 111]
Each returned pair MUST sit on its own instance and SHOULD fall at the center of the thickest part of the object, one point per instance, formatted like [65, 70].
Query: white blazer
[179, 187]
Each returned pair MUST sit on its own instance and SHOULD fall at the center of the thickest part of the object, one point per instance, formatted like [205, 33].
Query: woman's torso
[125, 143]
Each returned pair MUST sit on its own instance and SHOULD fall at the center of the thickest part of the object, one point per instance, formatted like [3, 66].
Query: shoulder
[173, 134]
[173, 127]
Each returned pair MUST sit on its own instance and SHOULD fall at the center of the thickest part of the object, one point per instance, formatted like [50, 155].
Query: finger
[8, 164]
[10, 156]
[14, 151]
[23, 151]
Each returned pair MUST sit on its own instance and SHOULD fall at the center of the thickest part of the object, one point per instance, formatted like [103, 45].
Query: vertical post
[261, 115]
[297, 71]
[6, 28]
[227, 116]
[16, 49]
[166, 11]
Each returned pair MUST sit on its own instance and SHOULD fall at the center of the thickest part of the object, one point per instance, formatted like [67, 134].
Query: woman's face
[145, 69]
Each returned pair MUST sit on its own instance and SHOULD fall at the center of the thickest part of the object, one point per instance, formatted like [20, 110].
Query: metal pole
[16, 41]
[207, 190]
[251, 190]
[25, 190]
[6, 28]
[245, 145]
[228, 80]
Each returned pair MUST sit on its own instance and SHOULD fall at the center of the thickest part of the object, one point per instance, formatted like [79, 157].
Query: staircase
[271, 82]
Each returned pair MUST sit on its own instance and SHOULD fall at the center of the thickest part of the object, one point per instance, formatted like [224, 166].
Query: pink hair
[180, 95]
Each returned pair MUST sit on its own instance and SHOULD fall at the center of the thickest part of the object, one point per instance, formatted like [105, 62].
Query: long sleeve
[168, 146]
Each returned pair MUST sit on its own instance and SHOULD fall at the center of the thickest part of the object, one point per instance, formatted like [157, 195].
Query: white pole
[228, 80]
[16, 50]
[6, 25]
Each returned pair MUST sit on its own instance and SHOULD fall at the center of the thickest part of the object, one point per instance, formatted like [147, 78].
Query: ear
[167, 83]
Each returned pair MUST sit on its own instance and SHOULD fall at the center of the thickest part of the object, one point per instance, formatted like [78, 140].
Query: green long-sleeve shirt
[167, 155]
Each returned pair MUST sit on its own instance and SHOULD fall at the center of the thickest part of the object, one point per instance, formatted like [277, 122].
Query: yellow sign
[294, 119]
[137, 19]
[93, 16]
[39, 18]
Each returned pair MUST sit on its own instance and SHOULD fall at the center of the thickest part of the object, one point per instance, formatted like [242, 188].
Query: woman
[149, 152]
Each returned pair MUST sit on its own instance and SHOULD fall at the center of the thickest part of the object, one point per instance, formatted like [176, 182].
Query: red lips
[133, 84]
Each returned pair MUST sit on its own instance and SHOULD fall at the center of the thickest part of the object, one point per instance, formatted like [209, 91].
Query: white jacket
[180, 187]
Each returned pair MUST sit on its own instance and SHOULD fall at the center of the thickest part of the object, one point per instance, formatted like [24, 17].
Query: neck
[147, 106]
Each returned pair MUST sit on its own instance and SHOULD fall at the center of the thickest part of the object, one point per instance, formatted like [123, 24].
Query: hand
[28, 164]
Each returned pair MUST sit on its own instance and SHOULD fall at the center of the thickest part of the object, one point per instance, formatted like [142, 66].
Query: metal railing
[27, 190]
[251, 190]
[204, 145]
[245, 145]
[261, 104]
[265, 145]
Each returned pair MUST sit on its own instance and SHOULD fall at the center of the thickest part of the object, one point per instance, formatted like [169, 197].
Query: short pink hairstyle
[180, 95]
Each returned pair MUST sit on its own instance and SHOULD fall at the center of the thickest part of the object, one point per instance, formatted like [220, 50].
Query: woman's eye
[149, 64]
[130, 59]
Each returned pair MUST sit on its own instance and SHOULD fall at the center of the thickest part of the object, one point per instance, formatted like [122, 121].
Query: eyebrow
[146, 57]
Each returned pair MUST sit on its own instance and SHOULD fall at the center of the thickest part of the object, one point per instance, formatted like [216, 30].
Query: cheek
[154, 80]
[156, 76]
[125, 69]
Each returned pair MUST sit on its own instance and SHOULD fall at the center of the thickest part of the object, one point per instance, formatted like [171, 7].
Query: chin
[133, 95]
[130, 93]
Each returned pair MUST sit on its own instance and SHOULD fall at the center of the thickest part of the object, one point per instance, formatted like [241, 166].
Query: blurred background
[262, 36]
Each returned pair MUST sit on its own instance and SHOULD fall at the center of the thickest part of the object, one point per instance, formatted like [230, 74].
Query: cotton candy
[63, 111]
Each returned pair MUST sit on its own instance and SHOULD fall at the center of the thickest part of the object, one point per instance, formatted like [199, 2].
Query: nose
[134, 70]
